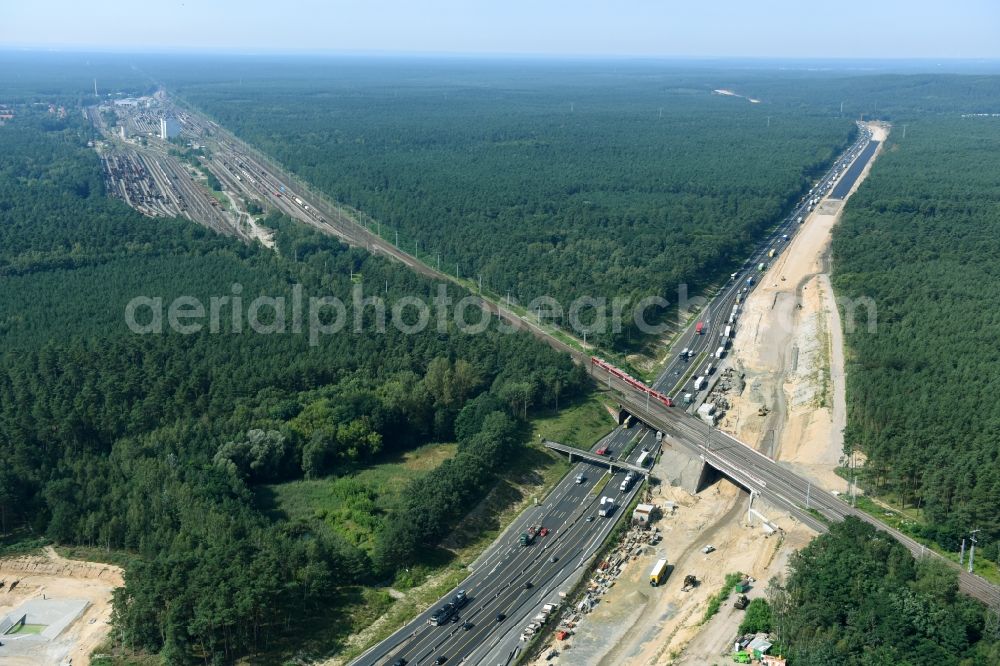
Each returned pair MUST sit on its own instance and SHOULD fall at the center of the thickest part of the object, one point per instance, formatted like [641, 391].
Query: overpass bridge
[771, 481]
[611, 463]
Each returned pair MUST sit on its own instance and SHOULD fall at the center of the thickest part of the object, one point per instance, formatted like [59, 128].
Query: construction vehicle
[690, 582]
[659, 573]
[527, 538]
[741, 602]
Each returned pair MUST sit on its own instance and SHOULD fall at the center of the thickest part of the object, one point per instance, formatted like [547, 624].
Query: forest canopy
[921, 240]
[563, 183]
[154, 445]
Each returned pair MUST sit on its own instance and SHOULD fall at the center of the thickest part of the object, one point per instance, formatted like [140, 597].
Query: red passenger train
[632, 381]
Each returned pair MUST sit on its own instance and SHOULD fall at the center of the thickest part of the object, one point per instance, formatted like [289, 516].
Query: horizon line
[472, 55]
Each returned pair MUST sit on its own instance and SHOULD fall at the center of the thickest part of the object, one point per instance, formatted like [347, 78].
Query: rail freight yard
[153, 161]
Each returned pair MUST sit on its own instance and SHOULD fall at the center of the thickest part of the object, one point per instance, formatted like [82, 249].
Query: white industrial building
[169, 128]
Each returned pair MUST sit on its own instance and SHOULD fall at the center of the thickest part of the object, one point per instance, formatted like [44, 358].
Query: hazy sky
[782, 28]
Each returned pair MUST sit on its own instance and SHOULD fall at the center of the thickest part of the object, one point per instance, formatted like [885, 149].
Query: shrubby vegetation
[154, 444]
[565, 182]
[921, 239]
[855, 596]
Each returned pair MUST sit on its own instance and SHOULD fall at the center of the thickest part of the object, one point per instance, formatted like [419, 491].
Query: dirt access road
[636, 624]
[789, 344]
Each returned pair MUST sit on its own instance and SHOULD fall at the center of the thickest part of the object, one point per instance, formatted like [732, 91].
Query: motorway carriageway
[766, 478]
[716, 314]
[499, 575]
[843, 188]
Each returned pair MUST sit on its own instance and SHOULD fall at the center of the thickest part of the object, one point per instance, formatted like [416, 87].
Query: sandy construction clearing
[789, 344]
[50, 577]
[638, 624]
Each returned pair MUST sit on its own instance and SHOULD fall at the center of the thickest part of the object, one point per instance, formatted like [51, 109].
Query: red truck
[699, 327]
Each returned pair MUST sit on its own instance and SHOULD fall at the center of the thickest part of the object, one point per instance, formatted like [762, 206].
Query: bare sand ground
[55, 577]
[637, 624]
[789, 343]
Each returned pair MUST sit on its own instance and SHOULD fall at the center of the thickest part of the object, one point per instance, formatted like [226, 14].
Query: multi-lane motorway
[765, 478]
[511, 582]
[497, 582]
[681, 370]
[497, 585]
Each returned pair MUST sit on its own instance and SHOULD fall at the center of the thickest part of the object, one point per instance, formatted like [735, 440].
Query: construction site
[53, 611]
[634, 610]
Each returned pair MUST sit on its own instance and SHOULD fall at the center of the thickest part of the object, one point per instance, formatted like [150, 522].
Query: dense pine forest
[921, 239]
[154, 445]
[162, 450]
[856, 597]
[562, 181]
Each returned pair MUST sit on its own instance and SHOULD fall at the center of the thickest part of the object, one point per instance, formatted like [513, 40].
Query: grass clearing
[353, 504]
[715, 602]
[21, 542]
[580, 424]
[910, 522]
[118, 558]
[530, 477]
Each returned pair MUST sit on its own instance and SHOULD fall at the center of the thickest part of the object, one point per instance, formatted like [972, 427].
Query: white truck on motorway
[626, 482]
[728, 333]
[720, 352]
[607, 507]
[699, 383]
